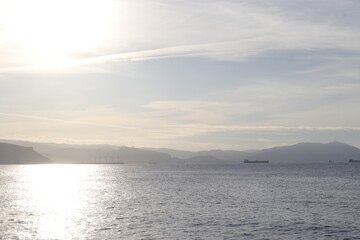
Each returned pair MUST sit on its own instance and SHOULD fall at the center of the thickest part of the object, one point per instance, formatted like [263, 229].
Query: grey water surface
[179, 201]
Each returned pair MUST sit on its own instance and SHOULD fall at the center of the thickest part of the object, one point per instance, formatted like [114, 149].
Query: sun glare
[56, 192]
[52, 31]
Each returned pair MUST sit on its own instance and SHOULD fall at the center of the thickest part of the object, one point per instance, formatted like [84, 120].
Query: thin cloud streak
[65, 121]
[209, 128]
[276, 128]
[153, 54]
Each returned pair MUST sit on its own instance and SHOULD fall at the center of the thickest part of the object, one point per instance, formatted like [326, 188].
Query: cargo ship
[248, 161]
[352, 160]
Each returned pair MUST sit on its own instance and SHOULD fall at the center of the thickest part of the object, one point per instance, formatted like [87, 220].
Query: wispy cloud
[74, 122]
[245, 71]
[238, 30]
[129, 56]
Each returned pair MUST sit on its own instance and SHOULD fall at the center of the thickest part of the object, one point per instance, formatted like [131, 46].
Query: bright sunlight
[53, 31]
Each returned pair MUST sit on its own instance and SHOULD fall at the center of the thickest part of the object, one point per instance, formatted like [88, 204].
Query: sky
[191, 75]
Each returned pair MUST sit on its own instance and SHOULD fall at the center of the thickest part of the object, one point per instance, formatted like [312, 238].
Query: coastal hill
[45, 147]
[226, 155]
[298, 153]
[14, 154]
[308, 153]
[121, 155]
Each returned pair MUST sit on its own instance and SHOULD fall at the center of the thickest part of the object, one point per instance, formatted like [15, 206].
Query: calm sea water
[260, 201]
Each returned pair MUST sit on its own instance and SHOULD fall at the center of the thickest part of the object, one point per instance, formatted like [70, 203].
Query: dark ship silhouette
[352, 160]
[248, 161]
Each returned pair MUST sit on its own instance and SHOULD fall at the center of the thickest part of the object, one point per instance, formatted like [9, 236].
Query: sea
[180, 201]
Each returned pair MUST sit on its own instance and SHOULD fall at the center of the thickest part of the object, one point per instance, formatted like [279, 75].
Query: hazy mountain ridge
[180, 154]
[67, 153]
[14, 154]
[227, 155]
[308, 152]
[44, 147]
[122, 154]
[70, 153]
[297, 153]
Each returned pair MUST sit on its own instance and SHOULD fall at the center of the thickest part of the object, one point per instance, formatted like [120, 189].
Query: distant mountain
[298, 153]
[309, 153]
[44, 148]
[180, 154]
[14, 154]
[67, 153]
[137, 155]
[123, 154]
[227, 155]
[75, 155]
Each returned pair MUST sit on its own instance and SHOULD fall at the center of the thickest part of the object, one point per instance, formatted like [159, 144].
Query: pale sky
[190, 75]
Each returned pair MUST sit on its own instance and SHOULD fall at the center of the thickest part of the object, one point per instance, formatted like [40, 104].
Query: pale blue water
[260, 201]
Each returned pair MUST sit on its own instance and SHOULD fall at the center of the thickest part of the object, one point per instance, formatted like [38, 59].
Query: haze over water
[150, 201]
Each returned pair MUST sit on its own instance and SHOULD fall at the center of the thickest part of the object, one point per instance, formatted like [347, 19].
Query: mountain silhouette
[121, 155]
[298, 153]
[309, 153]
[67, 153]
[227, 155]
[14, 154]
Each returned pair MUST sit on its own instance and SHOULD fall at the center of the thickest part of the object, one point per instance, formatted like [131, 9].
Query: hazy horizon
[81, 145]
[182, 74]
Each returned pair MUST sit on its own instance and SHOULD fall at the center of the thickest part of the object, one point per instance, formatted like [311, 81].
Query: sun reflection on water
[57, 197]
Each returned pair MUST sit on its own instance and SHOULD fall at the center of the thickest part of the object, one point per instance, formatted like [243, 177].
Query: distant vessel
[351, 160]
[247, 161]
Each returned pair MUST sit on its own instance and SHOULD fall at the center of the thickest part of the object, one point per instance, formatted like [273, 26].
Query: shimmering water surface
[260, 201]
